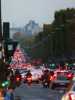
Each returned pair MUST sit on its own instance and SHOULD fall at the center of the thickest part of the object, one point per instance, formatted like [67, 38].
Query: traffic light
[52, 66]
[73, 64]
[66, 64]
[6, 26]
[5, 83]
[9, 48]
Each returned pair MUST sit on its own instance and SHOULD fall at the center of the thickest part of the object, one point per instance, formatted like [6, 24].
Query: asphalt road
[37, 92]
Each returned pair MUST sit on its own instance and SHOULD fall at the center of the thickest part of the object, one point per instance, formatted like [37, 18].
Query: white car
[36, 74]
[70, 95]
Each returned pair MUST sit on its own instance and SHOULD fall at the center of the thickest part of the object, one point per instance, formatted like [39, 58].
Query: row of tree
[56, 40]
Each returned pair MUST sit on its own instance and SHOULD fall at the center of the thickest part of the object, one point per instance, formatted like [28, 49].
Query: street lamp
[0, 24]
[0, 33]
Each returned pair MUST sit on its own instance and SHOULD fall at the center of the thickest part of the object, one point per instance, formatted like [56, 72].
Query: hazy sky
[19, 12]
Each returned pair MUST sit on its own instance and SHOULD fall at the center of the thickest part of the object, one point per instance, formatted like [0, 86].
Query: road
[37, 92]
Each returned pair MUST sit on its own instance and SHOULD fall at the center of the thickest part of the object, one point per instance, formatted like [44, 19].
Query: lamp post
[0, 33]
[0, 23]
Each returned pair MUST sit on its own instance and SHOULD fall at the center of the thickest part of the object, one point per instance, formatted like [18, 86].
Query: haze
[19, 12]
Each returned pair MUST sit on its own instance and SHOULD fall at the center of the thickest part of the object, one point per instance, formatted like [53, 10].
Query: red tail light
[52, 77]
[69, 76]
[29, 78]
[17, 79]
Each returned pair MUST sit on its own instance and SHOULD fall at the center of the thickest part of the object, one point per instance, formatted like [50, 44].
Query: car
[23, 73]
[70, 94]
[36, 75]
[59, 82]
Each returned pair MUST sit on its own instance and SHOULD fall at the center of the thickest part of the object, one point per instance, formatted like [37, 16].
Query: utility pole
[0, 24]
[2, 65]
[0, 33]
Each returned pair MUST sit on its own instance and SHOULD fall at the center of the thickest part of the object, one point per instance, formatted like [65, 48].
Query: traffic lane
[37, 92]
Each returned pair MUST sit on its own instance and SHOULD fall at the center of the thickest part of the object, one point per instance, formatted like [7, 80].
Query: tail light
[18, 78]
[29, 78]
[52, 77]
[69, 76]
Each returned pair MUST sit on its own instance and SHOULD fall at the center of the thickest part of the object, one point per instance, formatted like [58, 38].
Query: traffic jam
[59, 78]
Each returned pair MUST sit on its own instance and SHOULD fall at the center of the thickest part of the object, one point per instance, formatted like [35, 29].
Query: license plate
[45, 83]
[62, 83]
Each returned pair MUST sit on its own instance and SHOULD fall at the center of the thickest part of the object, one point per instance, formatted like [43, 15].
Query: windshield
[61, 78]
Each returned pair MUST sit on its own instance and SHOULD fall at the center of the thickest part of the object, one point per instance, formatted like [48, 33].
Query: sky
[19, 12]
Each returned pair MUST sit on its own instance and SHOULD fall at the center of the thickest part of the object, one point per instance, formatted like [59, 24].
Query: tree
[65, 23]
[61, 36]
[56, 39]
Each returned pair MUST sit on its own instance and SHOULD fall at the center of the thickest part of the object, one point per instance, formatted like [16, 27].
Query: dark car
[61, 82]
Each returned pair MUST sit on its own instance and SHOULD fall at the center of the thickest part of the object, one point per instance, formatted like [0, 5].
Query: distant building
[32, 28]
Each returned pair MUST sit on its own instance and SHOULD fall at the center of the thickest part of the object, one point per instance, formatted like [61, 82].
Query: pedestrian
[9, 95]
[1, 94]
[11, 90]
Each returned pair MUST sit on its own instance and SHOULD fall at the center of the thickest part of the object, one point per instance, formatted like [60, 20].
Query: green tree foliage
[56, 40]
[60, 35]
[64, 24]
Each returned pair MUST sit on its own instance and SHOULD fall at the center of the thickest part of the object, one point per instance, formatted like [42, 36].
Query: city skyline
[19, 12]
